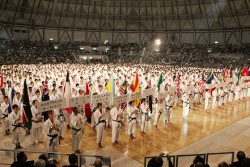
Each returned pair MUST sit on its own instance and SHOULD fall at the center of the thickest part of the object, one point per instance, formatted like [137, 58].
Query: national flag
[110, 87]
[26, 115]
[45, 97]
[223, 75]
[229, 73]
[202, 84]
[135, 88]
[1, 81]
[67, 94]
[210, 77]
[87, 106]
[178, 85]
[244, 71]
[123, 90]
[160, 81]
[12, 95]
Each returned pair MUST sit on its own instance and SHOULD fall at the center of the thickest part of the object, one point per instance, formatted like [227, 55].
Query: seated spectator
[197, 161]
[240, 156]
[98, 163]
[155, 162]
[40, 163]
[72, 160]
[22, 161]
[223, 164]
[47, 162]
[245, 162]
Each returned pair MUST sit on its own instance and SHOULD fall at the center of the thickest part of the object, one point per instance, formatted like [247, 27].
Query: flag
[202, 84]
[159, 82]
[210, 77]
[12, 95]
[123, 90]
[178, 85]
[244, 71]
[135, 88]
[229, 72]
[45, 97]
[87, 106]
[1, 81]
[222, 75]
[67, 94]
[110, 87]
[26, 115]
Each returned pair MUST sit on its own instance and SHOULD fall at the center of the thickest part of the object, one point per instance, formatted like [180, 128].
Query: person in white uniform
[100, 124]
[61, 121]
[117, 116]
[185, 99]
[207, 98]
[144, 110]
[5, 114]
[132, 114]
[15, 120]
[37, 125]
[77, 122]
[158, 112]
[52, 130]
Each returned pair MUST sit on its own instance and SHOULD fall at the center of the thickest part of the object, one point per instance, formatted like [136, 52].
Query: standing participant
[100, 124]
[36, 130]
[132, 114]
[207, 97]
[169, 108]
[16, 124]
[185, 99]
[61, 120]
[77, 122]
[145, 110]
[5, 114]
[117, 116]
[158, 112]
[214, 102]
[52, 130]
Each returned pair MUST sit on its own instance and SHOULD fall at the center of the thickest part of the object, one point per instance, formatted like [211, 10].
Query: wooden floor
[177, 135]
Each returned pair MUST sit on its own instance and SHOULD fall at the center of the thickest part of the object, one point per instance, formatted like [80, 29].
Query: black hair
[72, 159]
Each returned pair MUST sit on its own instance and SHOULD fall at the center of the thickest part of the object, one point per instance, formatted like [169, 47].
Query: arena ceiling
[129, 15]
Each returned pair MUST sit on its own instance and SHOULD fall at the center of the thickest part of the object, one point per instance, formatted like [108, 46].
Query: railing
[7, 157]
[186, 160]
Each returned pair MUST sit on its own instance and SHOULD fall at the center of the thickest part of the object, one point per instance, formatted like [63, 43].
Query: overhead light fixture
[107, 49]
[56, 46]
[93, 48]
[157, 42]
[216, 42]
[81, 48]
[105, 42]
[157, 50]
[51, 39]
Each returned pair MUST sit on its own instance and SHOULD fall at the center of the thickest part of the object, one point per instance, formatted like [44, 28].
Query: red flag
[1, 81]
[87, 106]
[244, 71]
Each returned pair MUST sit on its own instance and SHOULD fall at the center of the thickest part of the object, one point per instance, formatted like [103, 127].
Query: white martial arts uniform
[5, 114]
[100, 125]
[52, 141]
[37, 125]
[15, 120]
[116, 123]
[131, 119]
[144, 109]
[185, 100]
[158, 112]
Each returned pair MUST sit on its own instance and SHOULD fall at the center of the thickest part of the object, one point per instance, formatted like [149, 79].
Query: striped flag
[135, 88]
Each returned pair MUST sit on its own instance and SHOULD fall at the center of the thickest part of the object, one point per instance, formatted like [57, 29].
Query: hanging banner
[148, 92]
[51, 105]
[101, 98]
[120, 99]
[135, 96]
[79, 101]
[162, 95]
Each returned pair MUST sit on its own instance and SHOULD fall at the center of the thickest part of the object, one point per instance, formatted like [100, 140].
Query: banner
[229, 80]
[148, 92]
[162, 95]
[120, 99]
[101, 98]
[245, 78]
[51, 105]
[135, 96]
[79, 101]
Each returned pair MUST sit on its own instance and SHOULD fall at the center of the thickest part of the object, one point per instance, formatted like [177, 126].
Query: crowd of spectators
[27, 52]
[157, 161]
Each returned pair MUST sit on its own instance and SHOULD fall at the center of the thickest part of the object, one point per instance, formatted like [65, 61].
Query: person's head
[5, 99]
[241, 155]
[72, 159]
[98, 163]
[44, 157]
[99, 105]
[223, 164]
[21, 157]
[37, 92]
[117, 105]
[15, 108]
[18, 95]
[50, 115]
[75, 110]
[198, 159]
[40, 163]
[35, 103]
[199, 164]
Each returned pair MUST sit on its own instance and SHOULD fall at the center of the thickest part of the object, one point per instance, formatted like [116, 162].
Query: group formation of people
[186, 84]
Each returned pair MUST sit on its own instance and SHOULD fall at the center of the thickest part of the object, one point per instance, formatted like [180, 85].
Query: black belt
[169, 107]
[36, 121]
[159, 115]
[76, 130]
[17, 126]
[5, 116]
[117, 121]
[52, 138]
[187, 103]
[102, 121]
[131, 119]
